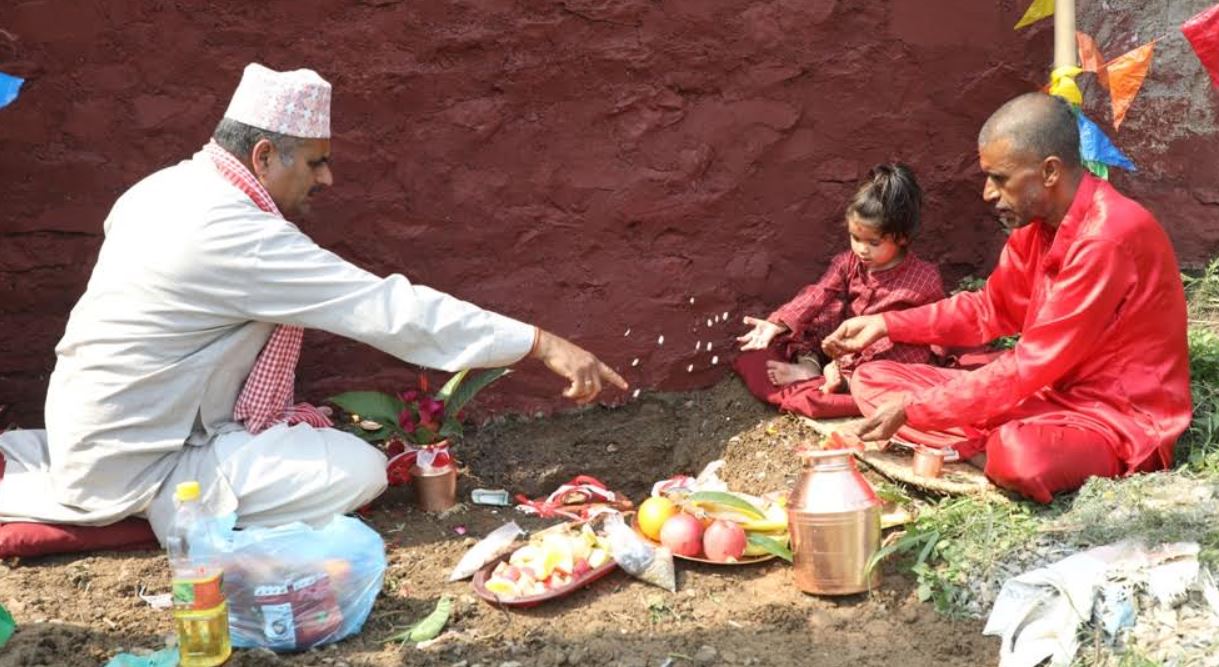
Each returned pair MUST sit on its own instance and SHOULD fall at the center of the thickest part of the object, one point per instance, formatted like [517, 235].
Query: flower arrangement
[415, 426]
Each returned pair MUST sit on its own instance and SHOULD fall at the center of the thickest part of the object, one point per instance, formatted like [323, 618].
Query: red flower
[406, 420]
[409, 396]
[431, 411]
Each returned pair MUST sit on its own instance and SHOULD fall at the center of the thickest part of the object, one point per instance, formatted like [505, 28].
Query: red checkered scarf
[266, 398]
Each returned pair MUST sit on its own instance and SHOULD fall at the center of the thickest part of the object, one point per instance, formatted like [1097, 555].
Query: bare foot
[782, 374]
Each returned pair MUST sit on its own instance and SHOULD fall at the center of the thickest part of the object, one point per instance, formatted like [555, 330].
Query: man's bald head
[1038, 126]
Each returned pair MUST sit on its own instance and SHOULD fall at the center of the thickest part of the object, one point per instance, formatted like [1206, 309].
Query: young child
[783, 363]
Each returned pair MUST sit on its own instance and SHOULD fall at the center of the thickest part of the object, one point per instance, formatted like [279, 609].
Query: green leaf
[7, 626]
[463, 392]
[932, 539]
[771, 545]
[727, 500]
[374, 405]
[451, 429]
[449, 387]
[924, 592]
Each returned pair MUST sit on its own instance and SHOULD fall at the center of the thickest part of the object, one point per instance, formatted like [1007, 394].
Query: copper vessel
[435, 488]
[834, 518]
[928, 461]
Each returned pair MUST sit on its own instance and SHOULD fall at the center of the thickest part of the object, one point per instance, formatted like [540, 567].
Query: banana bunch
[764, 521]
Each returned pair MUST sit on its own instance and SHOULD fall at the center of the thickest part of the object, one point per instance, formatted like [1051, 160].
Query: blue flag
[1094, 146]
[9, 86]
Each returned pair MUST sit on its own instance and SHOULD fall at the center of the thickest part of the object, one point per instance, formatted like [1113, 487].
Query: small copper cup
[435, 488]
[928, 461]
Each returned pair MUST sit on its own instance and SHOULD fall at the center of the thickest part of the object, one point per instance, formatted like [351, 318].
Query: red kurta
[1101, 312]
[848, 289]
[845, 290]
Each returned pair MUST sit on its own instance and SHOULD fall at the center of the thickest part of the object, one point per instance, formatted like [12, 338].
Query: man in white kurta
[190, 282]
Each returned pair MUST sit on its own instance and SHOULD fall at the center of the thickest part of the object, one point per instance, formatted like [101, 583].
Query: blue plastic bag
[294, 587]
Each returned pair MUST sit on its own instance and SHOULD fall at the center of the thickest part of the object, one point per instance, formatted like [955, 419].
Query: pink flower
[406, 420]
[431, 411]
[409, 396]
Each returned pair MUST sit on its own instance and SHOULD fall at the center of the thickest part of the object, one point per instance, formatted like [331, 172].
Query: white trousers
[284, 474]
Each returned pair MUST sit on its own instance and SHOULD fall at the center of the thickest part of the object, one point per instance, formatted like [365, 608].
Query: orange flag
[1126, 74]
[1090, 58]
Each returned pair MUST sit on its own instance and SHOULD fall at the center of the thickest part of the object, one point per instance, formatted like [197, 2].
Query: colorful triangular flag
[1040, 9]
[1202, 31]
[1062, 84]
[9, 87]
[1126, 74]
[1090, 58]
[1095, 146]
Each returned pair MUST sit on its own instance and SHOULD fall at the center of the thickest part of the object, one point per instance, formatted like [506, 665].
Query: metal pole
[1065, 52]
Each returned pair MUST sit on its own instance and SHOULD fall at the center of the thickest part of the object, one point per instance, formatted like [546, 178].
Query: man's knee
[872, 381]
[358, 468]
[1011, 465]
[1039, 460]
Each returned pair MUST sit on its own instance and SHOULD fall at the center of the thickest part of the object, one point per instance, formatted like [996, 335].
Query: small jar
[928, 461]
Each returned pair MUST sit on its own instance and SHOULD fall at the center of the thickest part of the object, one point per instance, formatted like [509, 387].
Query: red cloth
[1101, 312]
[802, 398]
[1041, 449]
[266, 397]
[848, 289]
[1202, 31]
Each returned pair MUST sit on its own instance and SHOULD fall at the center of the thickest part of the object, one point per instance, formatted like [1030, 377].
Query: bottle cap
[187, 491]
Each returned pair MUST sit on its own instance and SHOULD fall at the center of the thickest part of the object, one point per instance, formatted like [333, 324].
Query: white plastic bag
[294, 587]
[488, 549]
[637, 557]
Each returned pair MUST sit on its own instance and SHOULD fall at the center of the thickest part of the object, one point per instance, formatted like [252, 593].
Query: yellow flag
[1040, 9]
[1062, 84]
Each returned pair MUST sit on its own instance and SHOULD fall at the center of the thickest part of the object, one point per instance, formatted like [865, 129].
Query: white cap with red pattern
[295, 103]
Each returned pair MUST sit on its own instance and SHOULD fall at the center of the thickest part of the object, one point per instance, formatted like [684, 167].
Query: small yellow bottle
[201, 615]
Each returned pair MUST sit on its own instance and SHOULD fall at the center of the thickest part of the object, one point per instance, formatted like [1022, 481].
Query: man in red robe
[1098, 384]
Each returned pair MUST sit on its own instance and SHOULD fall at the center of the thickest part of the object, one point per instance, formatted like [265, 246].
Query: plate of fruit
[717, 527]
[555, 562]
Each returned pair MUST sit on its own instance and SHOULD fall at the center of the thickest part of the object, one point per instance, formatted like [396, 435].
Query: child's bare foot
[781, 373]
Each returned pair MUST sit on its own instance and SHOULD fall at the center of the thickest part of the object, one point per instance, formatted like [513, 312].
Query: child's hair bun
[890, 200]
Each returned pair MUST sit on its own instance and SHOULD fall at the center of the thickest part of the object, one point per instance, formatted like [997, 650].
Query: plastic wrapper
[707, 480]
[497, 543]
[294, 587]
[637, 557]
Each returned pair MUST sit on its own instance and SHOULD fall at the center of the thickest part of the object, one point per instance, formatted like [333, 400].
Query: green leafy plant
[414, 415]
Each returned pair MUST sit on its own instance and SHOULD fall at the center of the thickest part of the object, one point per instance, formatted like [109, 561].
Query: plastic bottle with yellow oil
[201, 615]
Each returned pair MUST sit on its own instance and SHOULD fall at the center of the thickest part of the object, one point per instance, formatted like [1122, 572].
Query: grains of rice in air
[636, 394]
[628, 332]
[690, 368]
[660, 341]
[715, 360]
[635, 362]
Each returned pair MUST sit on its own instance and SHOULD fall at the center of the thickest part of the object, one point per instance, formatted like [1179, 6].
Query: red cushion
[40, 539]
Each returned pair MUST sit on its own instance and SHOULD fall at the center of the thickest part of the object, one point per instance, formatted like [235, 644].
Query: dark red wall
[587, 165]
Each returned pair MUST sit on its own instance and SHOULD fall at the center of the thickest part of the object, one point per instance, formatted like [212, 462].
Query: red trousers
[802, 398]
[1037, 450]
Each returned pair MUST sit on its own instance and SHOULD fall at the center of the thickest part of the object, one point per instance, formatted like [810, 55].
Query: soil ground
[83, 610]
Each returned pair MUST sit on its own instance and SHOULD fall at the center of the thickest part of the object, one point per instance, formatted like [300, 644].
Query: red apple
[682, 534]
[723, 541]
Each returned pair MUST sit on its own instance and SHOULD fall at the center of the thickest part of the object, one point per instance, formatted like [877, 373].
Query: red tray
[480, 585]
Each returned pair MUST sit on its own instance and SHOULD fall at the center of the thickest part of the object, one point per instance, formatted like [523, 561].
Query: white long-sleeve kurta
[190, 280]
